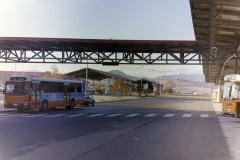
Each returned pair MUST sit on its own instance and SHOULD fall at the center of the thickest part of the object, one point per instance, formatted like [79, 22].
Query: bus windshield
[17, 88]
[231, 90]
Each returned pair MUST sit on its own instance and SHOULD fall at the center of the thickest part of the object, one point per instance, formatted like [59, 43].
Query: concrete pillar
[219, 95]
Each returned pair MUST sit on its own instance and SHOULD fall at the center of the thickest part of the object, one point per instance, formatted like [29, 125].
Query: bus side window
[72, 88]
[234, 91]
[65, 89]
[59, 87]
[79, 88]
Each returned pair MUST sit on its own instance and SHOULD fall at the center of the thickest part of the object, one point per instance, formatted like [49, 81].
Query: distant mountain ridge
[190, 77]
[123, 74]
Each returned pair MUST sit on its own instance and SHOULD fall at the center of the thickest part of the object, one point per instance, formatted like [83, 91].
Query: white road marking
[16, 115]
[187, 115]
[169, 115]
[150, 115]
[204, 115]
[94, 115]
[56, 115]
[131, 115]
[113, 115]
[36, 115]
[3, 114]
[75, 115]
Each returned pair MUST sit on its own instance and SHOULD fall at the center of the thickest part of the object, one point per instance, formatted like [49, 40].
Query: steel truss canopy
[95, 74]
[98, 51]
[217, 30]
[217, 25]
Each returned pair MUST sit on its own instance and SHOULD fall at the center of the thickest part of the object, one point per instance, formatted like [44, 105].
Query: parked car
[89, 99]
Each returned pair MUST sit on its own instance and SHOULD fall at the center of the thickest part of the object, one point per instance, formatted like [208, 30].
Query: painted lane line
[204, 115]
[187, 115]
[56, 115]
[113, 115]
[16, 115]
[36, 115]
[95, 115]
[168, 115]
[132, 115]
[4, 114]
[150, 115]
[76, 115]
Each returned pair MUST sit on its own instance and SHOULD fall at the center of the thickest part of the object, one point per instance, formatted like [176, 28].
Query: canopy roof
[217, 25]
[95, 74]
[100, 75]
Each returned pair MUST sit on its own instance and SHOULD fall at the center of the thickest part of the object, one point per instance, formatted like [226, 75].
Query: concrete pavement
[102, 98]
[217, 107]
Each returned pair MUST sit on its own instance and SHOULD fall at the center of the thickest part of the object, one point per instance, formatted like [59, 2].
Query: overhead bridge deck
[99, 51]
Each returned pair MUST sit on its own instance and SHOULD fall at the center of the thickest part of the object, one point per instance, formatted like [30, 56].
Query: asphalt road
[145, 129]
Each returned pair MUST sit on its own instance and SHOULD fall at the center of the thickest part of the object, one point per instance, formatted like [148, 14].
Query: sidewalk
[217, 107]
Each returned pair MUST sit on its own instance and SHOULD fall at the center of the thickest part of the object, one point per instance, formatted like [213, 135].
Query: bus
[42, 93]
[231, 96]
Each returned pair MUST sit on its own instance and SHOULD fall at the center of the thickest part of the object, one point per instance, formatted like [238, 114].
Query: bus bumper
[17, 105]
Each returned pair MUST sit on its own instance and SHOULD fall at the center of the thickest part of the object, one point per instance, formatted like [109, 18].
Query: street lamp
[219, 79]
[86, 85]
[15, 70]
[34, 70]
[142, 65]
[160, 87]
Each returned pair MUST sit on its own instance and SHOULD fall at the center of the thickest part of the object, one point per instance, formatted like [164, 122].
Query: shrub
[168, 90]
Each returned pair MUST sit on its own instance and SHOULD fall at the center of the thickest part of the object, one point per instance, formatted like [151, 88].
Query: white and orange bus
[42, 93]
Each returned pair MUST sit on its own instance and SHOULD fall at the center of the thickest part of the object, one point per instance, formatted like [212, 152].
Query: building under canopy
[98, 75]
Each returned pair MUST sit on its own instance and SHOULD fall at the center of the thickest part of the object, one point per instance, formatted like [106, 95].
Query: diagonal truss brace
[93, 55]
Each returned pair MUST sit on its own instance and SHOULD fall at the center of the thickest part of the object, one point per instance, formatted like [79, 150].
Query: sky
[99, 19]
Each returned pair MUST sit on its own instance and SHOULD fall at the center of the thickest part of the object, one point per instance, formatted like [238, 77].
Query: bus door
[66, 94]
[36, 95]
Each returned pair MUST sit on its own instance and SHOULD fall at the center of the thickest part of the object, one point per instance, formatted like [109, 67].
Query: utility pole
[160, 87]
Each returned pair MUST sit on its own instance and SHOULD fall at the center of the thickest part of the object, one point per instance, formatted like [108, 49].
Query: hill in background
[182, 83]
[191, 77]
[123, 74]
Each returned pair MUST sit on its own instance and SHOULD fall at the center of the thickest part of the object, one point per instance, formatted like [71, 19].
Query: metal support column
[235, 64]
